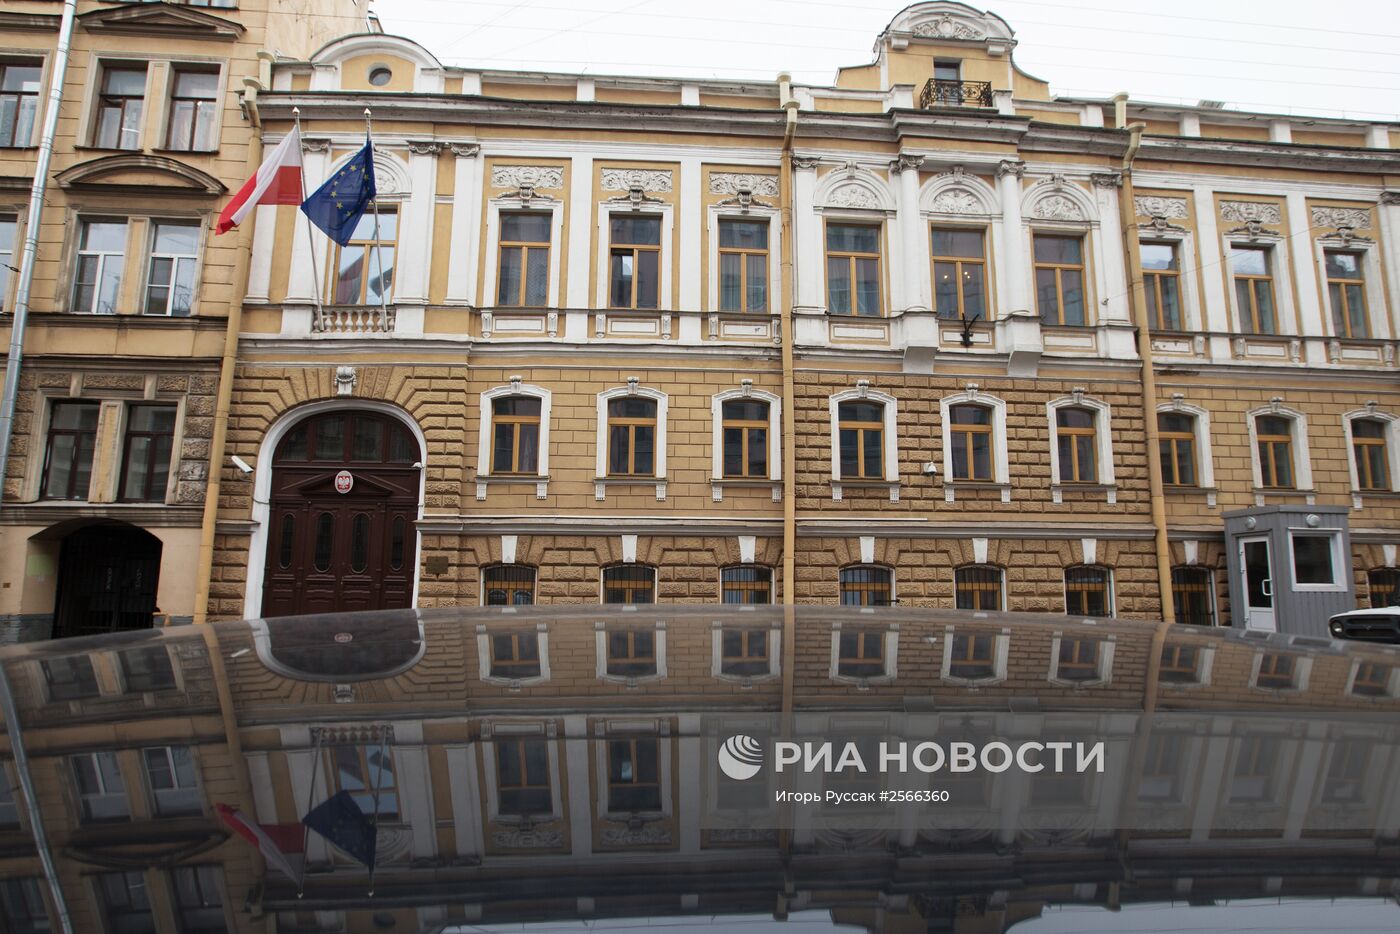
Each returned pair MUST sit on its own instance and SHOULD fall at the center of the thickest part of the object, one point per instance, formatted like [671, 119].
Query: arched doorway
[107, 577]
[340, 520]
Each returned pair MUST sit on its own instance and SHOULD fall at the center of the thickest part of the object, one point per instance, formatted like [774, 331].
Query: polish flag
[278, 181]
[253, 832]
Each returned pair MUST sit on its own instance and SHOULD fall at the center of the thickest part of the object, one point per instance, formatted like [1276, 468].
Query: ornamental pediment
[139, 172]
[161, 19]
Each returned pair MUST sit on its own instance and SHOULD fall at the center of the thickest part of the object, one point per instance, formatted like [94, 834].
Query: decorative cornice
[465, 150]
[183, 179]
[1242, 212]
[165, 19]
[35, 22]
[1011, 167]
[309, 144]
[1106, 180]
[906, 162]
[645, 179]
[424, 147]
[735, 183]
[1390, 197]
[527, 176]
[1353, 218]
[1155, 206]
[805, 163]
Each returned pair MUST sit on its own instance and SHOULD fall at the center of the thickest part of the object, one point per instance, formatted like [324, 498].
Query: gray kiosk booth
[1290, 567]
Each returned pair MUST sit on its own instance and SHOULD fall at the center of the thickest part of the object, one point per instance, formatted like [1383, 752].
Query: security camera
[930, 468]
[241, 464]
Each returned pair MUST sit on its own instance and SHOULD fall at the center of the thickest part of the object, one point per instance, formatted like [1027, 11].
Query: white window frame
[600, 645]
[514, 204]
[1392, 451]
[667, 253]
[1107, 644]
[178, 788]
[1103, 445]
[1205, 664]
[1001, 647]
[754, 211]
[484, 477]
[153, 224]
[601, 480]
[42, 57]
[891, 440]
[775, 664]
[891, 653]
[484, 656]
[1001, 458]
[1341, 566]
[104, 257]
[92, 112]
[1286, 315]
[520, 730]
[775, 441]
[7, 258]
[1392, 681]
[1302, 461]
[610, 730]
[1302, 672]
[105, 792]
[1205, 457]
[1376, 320]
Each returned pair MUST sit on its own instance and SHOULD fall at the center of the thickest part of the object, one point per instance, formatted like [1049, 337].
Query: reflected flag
[254, 833]
[337, 206]
[340, 820]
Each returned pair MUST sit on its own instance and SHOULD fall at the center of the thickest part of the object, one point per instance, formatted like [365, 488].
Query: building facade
[109, 459]
[654, 340]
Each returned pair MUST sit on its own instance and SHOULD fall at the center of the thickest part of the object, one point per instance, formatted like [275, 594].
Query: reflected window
[70, 678]
[515, 655]
[634, 775]
[199, 899]
[631, 652]
[629, 583]
[746, 584]
[522, 777]
[147, 669]
[1180, 663]
[361, 770]
[1161, 768]
[862, 653]
[1372, 680]
[508, 585]
[972, 656]
[101, 790]
[170, 773]
[1346, 773]
[744, 652]
[126, 903]
[1277, 671]
[1256, 761]
[1079, 660]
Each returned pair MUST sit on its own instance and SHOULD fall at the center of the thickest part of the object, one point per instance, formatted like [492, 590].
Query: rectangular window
[119, 107]
[1253, 778]
[522, 777]
[1180, 663]
[632, 437]
[1193, 594]
[634, 775]
[508, 585]
[947, 70]
[19, 102]
[1161, 768]
[631, 652]
[743, 265]
[1059, 279]
[515, 435]
[746, 584]
[101, 791]
[861, 436]
[147, 669]
[146, 453]
[977, 587]
[866, 586]
[126, 903]
[1161, 281]
[97, 281]
[970, 436]
[1368, 447]
[523, 279]
[744, 652]
[629, 583]
[1087, 592]
[634, 262]
[170, 772]
[68, 456]
[1254, 289]
[1076, 438]
[1346, 292]
[200, 900]
[1275, 439]
[1346, 772]
[364, 272]
[1277, 671]
[9, 227]
[1176, 445]
[1079, 660]
[22, 901]
[745, 429]
[853, 269]
[194, 110]
[515, 655]
[1383, 586]
[360, 770]
[170, 278]
[70, 677]
[973, 656]
[862, 653]
[1313, 560]
[959, 274]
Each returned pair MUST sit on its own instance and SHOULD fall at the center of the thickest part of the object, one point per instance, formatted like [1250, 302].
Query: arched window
[867, 585]
[508, 585]
[1193, 594]
[746, 584]
[348, 438]
[978, 587]
[1088, 591]
[629, 583]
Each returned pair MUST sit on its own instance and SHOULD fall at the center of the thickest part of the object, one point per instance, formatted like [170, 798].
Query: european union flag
[337, 206]
[340, 820]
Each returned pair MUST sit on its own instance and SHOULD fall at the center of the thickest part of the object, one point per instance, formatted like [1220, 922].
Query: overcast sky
[1286, 56]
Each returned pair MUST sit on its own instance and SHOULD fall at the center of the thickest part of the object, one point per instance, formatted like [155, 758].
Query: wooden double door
[342, 513]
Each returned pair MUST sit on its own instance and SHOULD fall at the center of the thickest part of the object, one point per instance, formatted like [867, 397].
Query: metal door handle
[1267, 586]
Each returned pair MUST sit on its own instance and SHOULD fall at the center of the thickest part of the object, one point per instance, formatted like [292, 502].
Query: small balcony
[939, 93]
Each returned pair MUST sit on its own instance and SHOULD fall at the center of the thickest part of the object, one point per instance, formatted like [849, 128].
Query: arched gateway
[341, 510]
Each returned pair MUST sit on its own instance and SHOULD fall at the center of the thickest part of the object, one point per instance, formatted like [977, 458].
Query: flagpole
[310, 240]
[378, 251]
[310, 794]
[374, 817]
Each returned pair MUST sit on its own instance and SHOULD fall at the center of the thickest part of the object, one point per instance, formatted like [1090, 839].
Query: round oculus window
[380, 75]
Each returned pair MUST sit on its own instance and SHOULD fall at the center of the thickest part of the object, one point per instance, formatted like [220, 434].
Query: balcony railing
[955, 94]
[353, 319]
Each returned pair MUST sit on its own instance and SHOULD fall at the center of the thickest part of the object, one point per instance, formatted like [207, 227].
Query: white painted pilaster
[1013, 245]
[690, 225]
[1211, 264]
[260, 262]
[307, 269]
[580, 221]
[917, 286]
[576, 758]
[464, 251]
[1300, 249]
[1113, 284]
[1389, 212]
[807, 235]
[415, 252]
[466, 800]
